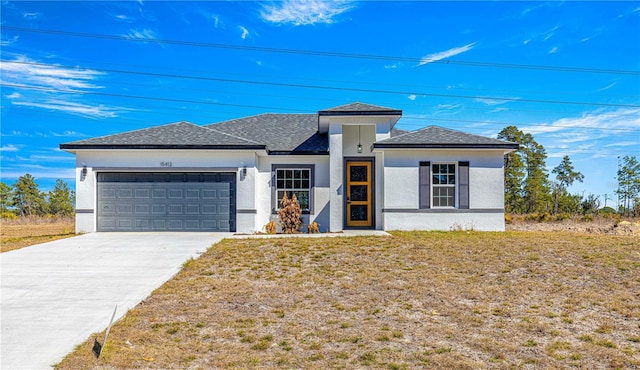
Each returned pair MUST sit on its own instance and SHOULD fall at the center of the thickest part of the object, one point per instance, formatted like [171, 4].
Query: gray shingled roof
[279, 132]
[438, 137]
[175, 135]
[360, 108]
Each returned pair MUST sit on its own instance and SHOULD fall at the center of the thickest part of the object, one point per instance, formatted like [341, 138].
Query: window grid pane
[444, 180]
[294, 181]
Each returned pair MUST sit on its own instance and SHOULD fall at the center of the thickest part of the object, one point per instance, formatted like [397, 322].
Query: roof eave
[70, 147]
[299, 152]
[395, 112]
[444, 146]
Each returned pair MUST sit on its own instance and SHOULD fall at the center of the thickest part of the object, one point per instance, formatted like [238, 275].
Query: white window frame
[434, 186]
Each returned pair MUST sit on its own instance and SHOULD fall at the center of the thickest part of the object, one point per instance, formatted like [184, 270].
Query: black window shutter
[425, 185]
[463, 185]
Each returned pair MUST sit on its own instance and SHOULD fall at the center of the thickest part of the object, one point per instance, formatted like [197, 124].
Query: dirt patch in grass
[435, 300]
[613, 225]
[16, 234]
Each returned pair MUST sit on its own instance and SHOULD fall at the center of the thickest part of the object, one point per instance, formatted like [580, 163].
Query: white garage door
[166, 201]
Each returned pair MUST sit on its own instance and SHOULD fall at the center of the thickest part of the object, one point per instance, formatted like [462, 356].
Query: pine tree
[565, 176]
[514, 172]
[6, 197]
[61, 199]
[27, 198]
[526, 182]
[628, 183]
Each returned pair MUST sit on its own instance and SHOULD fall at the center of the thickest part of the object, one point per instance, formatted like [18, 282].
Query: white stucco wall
[320, 194]
[486, 191]
[149, 161]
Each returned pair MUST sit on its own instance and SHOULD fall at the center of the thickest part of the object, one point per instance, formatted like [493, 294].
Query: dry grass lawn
[23, 232]
[435, 300]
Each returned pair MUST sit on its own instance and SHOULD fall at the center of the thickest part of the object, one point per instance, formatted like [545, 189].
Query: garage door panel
[166, 202]
[124, 224]
[143, 193]
[159, 193]
[125, 193]
[192, 209]
[159, 209]
[142, 225]
[124, 209]
[142, 209]
[192, 193]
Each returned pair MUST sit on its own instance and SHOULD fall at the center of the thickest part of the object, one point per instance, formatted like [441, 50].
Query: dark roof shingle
[439, 137]
[279, 132]
[360, 108]
[175, 135]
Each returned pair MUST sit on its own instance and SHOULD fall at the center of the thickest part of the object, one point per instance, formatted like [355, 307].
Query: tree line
[24, 198]
[528, 188]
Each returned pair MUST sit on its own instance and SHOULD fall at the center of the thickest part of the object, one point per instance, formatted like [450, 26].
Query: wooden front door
[359, 194]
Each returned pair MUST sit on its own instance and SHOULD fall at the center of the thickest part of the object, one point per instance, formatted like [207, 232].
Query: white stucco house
[348, 166]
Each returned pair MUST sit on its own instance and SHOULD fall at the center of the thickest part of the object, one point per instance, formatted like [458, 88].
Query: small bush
[586, 218]
[8, 216]
[562, 216]
[508, 219]
[313, 228]
[270, 227]
[290, 214]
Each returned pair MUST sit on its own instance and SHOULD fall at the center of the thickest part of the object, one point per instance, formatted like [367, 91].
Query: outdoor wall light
[359, 145]
[244, 171]
[84, 171]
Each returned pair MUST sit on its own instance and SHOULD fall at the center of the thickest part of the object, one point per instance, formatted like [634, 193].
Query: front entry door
[359, 194]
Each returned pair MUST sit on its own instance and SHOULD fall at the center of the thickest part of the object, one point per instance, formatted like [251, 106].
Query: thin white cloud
[144, 34]
[123, 18]
[309, 12]
[245, 32]
[10, 41]
[52, 87]
[392, 66]
[412, 97]
[601, 120]
[24, 71]
[66, 133]
[495, 101]
[447, 109]
[85, 110]
[39, 172]
[553, 50]
[215, 19]
[607, 87]
[31, 15]
[445, 54]
[623, 143]
[9, 148]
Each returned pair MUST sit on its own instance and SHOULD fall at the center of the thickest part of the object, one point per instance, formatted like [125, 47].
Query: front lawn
[440, 300]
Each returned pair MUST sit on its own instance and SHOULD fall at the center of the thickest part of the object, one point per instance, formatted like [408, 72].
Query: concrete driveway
[55, 295]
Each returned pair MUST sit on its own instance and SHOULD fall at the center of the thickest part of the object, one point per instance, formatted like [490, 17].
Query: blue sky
[568, 72]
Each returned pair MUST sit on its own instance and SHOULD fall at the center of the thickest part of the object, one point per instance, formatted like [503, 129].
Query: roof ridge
[257, 115]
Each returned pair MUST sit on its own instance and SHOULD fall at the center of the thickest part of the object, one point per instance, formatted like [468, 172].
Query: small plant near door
[270, 227]
[314, 228]
[290, 214]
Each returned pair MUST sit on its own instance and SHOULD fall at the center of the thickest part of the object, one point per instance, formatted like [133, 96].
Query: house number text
[166, 164]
